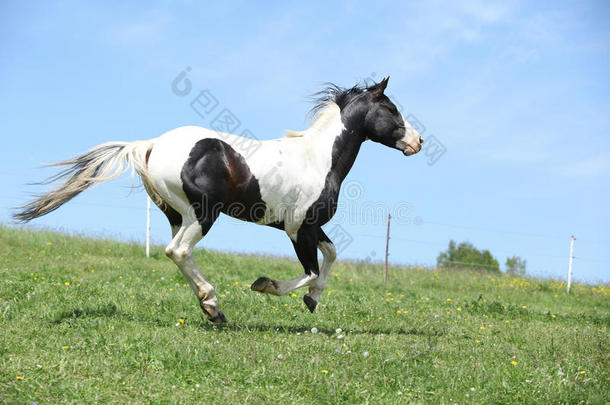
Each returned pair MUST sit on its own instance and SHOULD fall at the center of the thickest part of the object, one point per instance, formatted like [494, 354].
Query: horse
[292, 183]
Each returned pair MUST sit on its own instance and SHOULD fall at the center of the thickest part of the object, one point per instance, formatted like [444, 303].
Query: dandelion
[459, 308]
[482, 328]
[20, 377]
[365, 354]
[448, 299]
[280, 357]
[92, 271]
[553, 316]
[325, 371]
[67, 283]
[583, 372]
[65, 347]
[514, 363]
[181, 321]
[409, 394]
[524, 307]
[399, 312]
[120, 277]
[293, 295]
[314, 330]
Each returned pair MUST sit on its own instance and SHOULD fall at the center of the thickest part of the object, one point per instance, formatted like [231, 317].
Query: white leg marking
[180, 250]
[330, 254]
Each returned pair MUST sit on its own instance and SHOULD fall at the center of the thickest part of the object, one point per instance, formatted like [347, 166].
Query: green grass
[88, 320]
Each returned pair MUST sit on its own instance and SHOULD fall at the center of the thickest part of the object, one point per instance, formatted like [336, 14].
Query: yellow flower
[65, 347]
[514, 363]
[20, 377]
[459, 308]
[553, 316]
[448, 299]
[482, 328]
[92, 271]
[583, 372]
[67, 283]
[409, 394]
[293, 295]
[181, 320]
[398, 312]
[524, 307]
[325, 371]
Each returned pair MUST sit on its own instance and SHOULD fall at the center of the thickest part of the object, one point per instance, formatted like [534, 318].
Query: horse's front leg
[329, 254]
[305, 244]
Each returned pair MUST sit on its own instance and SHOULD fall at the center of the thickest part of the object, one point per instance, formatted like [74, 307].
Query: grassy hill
[87, 320]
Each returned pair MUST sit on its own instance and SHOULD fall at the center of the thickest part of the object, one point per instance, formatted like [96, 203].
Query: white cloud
[589, 167]
[147, 29]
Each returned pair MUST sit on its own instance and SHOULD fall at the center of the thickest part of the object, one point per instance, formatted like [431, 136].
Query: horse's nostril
[421, 140]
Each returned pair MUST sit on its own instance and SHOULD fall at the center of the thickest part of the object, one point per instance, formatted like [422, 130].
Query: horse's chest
[290, 184]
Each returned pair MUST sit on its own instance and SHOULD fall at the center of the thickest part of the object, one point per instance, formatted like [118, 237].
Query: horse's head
[383, 122]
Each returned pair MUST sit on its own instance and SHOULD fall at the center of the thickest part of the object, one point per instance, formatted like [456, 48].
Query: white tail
[102, 163]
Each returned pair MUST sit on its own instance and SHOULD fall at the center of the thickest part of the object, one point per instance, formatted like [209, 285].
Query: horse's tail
[102, 163]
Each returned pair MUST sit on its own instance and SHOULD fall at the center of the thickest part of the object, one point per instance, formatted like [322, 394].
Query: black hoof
[219, 318]
[310, 302]
[261, 284]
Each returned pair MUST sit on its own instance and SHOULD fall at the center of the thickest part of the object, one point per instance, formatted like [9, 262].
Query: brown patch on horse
[148, 152]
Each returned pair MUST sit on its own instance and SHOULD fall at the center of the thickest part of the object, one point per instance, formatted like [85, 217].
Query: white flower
[280, 357]
[338, 330]
[314, 330]
[340, 336]
[365, 354]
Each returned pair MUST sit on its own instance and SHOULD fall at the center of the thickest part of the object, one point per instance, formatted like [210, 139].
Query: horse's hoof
[310, 302]
[264, 284]
[219, 318]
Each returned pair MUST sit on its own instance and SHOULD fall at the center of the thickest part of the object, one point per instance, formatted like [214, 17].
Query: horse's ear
[378, 89]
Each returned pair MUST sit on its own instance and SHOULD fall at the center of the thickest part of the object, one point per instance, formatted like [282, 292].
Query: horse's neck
[340, 141]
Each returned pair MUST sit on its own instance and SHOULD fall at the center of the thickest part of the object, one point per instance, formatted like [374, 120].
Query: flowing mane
[335, 94]
[331, 93]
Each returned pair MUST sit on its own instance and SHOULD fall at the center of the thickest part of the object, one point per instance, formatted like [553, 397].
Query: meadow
[88, 320]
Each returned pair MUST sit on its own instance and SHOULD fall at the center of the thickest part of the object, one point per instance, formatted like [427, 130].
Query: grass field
[86, 320]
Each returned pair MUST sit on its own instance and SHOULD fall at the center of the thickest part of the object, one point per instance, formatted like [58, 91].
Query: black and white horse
[291, 183]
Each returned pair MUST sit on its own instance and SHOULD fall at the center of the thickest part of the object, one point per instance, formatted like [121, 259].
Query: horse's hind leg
[180, 250]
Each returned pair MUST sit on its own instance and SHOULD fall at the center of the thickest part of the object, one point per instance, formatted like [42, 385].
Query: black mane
[336, 94]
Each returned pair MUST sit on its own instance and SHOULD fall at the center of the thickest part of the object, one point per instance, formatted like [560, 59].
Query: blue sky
[516, 92]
